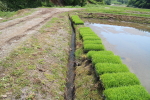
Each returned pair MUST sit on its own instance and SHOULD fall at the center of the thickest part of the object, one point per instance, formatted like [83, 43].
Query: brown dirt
[13, 32]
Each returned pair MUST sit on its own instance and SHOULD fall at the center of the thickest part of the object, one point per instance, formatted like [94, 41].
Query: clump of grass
[90, 53]
[96, 47]
[110, 80]
[78, 53]
[96, 58]
[136, 92]
[102, 68]
[91, 38]
[76, 20]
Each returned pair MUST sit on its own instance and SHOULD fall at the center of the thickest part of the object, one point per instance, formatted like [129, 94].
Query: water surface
[131, 44]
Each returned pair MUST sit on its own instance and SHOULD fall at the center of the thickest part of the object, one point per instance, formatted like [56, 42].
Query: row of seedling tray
[119, 83]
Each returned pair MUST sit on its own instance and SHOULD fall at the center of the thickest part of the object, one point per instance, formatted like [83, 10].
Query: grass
[135, 92]
[96, 47]
[90, 53]
[38, 66]
[96, 58]
[118, 10]
[102, 68]
[15, 14]
[111, 80]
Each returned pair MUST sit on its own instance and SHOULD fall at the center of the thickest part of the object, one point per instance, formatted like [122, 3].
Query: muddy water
[130, 43]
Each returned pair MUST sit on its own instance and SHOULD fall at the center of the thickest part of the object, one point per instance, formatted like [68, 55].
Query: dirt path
[13, 32]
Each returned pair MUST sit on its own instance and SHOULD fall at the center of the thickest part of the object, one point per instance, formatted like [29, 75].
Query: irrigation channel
[130, 41]
[69, 95]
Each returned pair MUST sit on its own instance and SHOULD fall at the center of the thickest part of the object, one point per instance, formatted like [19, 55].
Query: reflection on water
[131, 44]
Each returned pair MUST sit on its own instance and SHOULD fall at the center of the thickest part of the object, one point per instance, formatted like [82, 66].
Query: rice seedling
[110, 80]
[91, 38]
[92, 42]
[90, 34]
[96, 47]
[102, 68]
[85, 31]
[76, 19]
[90, 53]
[135, 92]
[96, 58]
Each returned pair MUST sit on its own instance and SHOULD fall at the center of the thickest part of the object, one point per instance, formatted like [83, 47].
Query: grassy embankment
[119, 10]
[37, 68]
[9, 15]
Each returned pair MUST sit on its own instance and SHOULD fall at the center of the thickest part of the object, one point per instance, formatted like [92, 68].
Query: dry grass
[36, 70]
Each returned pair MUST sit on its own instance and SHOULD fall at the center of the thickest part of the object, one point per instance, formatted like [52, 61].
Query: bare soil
[13, 32]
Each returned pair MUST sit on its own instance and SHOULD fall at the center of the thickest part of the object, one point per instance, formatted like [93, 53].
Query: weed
[17, 73]
[135, 92]
[32, 67]
[49, 77]
[102, 68]
[41, 61]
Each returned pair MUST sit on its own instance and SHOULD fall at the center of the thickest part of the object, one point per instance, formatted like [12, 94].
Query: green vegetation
[7, 14]
[92, 42]
[102, 68]
[117, 10]
[76, 20]
[90, 53]
[139, 3]
[91, 38]
[110, 80]
[11, 5]
[135, 92]
[38, 62]
[85, 31]
[96, 47]
[96, 58]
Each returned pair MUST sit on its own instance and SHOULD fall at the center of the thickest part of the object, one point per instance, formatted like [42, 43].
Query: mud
[16, 31]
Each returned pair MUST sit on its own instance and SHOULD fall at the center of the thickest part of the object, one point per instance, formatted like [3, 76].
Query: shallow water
[131, 44]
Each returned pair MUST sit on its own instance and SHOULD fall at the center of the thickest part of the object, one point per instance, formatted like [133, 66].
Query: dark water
[131, 44]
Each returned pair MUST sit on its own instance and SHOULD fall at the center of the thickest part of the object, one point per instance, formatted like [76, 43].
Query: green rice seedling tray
[102, 68]
[96, 47]
[92, 42]
[91, 38]
[135, 92]
[91, 34]
[76, 19]
[111, 80]
[90, 53]
[96, 58]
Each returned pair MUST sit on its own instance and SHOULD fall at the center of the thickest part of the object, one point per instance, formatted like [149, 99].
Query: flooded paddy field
[131, 41]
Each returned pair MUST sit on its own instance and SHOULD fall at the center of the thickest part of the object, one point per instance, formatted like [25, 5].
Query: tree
[140, 3]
